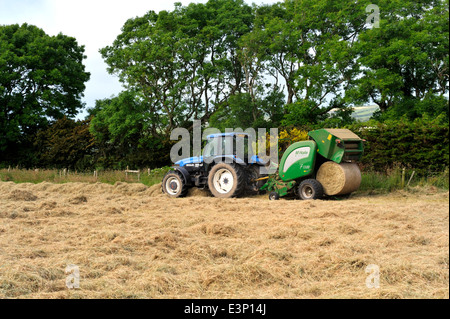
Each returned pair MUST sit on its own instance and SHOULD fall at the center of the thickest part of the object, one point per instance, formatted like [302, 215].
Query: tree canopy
[404, 64]
[42, 78]
[294, 63]
[184, 62]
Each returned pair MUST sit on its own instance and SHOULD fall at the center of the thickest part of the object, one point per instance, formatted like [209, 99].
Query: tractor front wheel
[173, 184]
[226, 180]
[310, 189]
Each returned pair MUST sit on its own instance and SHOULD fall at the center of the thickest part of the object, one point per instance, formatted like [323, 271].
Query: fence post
[138, 172]
[403, 178]
[410, 179]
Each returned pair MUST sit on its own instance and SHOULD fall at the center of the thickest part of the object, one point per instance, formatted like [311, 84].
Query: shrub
[422, 145]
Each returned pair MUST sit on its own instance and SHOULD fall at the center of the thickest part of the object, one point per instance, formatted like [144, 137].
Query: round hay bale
[339, 179]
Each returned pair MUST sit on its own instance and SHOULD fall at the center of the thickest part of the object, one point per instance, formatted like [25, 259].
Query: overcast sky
[94, 23]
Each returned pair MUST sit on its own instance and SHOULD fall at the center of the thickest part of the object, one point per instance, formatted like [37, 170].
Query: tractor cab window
[243, 147]
[209, 149]
[215, 146]
[248, 147]
[239, 145]
[228, 145]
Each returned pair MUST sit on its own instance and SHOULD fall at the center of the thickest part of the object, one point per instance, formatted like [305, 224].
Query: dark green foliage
[241, 112]
[422, 144]
[295, 63]
[65, 144]
[122, 127]
[306, 115]
[182, 63]
[310, 48]
[404, 64]
[41, 79]
[411, 108]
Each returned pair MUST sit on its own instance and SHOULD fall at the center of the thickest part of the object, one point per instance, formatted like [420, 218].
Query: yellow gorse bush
[288, 137]
[293, 135]
[285, 139]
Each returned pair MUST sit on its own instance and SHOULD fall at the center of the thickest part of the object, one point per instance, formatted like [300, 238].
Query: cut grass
[59, 177]
[372, 182]
[130, 241]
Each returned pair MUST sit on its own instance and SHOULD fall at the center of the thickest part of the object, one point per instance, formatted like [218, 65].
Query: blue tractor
[225, 173]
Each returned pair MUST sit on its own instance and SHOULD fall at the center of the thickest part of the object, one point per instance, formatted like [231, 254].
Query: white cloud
[94, 23]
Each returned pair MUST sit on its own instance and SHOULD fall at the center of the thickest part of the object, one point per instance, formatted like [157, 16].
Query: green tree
[65, 144]
[42, 78]
[122, 128]
[307, 46]
[239, 112]
[405, 63]
[183, 62]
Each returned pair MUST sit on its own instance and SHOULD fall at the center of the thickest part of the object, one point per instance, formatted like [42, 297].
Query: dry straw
[131, 241]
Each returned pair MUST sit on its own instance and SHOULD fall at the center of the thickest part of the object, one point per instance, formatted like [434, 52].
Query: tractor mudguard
[185, 173]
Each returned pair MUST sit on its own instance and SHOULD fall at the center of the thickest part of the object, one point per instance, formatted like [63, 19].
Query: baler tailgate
[343, 134]
[338, 144]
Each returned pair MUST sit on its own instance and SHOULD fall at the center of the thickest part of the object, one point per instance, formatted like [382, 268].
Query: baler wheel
[274, 196]
[310, 189]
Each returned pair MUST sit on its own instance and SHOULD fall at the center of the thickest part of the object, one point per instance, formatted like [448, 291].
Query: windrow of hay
[22, 195]
[339, 179]
[135, 242]
[78, 200]
[198, 192]
[155, 190]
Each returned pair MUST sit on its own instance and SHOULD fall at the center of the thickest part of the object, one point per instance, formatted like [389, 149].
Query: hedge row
[422, 145]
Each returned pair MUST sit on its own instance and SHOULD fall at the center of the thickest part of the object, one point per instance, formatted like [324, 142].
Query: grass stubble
[130, 241]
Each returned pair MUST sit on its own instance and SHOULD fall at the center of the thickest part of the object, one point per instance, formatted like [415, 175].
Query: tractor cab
[237, 146]
[234, 147]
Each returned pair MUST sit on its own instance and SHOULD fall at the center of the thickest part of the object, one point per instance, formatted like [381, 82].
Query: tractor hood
[190, 160]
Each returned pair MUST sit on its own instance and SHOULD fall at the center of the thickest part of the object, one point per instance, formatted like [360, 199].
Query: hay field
[130, 241]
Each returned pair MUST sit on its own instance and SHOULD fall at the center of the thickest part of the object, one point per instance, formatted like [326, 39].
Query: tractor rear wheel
[173, 184]
[226, 180]
[310, 189]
